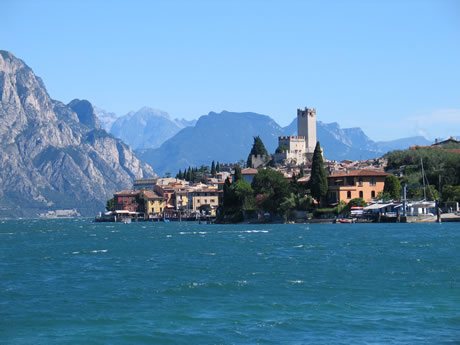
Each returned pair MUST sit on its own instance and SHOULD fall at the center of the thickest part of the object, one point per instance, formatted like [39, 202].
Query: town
[314, 189]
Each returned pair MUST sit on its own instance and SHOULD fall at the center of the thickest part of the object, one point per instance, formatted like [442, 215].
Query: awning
[377, 206]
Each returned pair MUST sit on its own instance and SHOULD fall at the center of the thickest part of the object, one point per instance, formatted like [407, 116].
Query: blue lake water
[77, 282]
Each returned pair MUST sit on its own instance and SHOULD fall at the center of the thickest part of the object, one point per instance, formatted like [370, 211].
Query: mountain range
[228, 137]
[53, 155]
[142, 129]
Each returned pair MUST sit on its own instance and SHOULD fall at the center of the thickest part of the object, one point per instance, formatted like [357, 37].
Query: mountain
[52, 155]
[402, 144]
[224, 137]
[146, 128]
[228, 137]
[106, 119]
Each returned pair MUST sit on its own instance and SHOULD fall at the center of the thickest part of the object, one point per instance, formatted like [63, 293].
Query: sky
[389, 67]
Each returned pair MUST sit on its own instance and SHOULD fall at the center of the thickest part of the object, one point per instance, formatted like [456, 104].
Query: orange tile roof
[360, 173]
[249, 171]
[151, 195]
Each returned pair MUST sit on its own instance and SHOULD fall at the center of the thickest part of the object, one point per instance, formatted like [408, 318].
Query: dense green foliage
[237, 175]
[441, 167]
[451, 193]
[258, 148]
[274, 188]
[356, 202]
[392, 187]
[282, 148]
[110, 206]
[318, 179]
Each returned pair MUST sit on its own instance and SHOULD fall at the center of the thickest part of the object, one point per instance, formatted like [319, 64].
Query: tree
[179, 175]
[392, 187]
[110, 206]
[274, 188]
[244, 195]
[218, 167]
[451, 193]
[258, 148]
[237, 174]
[213, 169]
[318, 179]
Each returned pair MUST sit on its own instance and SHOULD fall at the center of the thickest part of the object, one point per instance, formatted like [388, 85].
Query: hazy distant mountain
[106, 118]
[341, 143]
[228, 137]
[402, 144]
[147, 128]
[185, 123]
[352, 143]
[52, 155]
[224, 137]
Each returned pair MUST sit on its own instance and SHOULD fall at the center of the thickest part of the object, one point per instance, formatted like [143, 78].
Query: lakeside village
[297, 184]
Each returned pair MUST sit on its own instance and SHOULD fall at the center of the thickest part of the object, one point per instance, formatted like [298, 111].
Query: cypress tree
[213, 169]
[237, 175]
[218, 167]
[318, 179]
[258, 148]
[179, 174]
[392, 187]
[189, 175]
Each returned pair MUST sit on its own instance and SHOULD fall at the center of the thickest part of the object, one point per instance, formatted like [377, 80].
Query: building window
[372, 182]
[360, 183]
[348, 195]
[373, 194]
[361, 194]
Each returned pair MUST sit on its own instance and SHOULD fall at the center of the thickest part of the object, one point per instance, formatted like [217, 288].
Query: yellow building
[364, 184]
[181, 199]
[204, 199]
[154, 203]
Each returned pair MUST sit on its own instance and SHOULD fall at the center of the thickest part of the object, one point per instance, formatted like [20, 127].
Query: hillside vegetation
[441, 166]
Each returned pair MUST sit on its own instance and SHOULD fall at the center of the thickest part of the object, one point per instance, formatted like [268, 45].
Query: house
[364, 184]
[154, 203]
[248, 174]
[145, 183]
[204, 199]
[128, 200]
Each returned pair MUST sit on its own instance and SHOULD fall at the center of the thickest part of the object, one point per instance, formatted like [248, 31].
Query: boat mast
[423, 178]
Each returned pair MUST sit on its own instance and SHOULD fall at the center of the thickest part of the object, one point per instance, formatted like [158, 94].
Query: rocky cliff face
[52, 155]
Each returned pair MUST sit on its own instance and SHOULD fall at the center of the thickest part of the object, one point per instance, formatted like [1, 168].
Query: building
[364, 184]
[204, 199]
[154, 203]
[291, 150]
[306, 127]
[145, 183]
[128, 200]
[298, 150]
[248, 174]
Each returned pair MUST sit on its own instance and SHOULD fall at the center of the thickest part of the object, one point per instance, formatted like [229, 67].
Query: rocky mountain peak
[85, 113]
[52, 155]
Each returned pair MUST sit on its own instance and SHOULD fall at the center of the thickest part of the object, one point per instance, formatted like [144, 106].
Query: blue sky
[389, 67]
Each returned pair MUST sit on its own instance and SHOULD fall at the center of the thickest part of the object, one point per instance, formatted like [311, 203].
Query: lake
[77, 282]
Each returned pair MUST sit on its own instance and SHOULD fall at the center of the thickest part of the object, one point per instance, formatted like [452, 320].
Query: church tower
[306, 127]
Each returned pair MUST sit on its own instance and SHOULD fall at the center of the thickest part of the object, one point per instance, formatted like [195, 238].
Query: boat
[345, 220]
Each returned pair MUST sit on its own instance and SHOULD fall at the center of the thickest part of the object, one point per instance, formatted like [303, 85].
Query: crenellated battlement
[306, 112]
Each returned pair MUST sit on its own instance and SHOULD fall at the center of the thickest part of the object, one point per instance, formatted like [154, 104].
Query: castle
[297, 150]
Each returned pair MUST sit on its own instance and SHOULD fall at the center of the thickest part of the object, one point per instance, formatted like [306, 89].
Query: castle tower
[306, 127]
